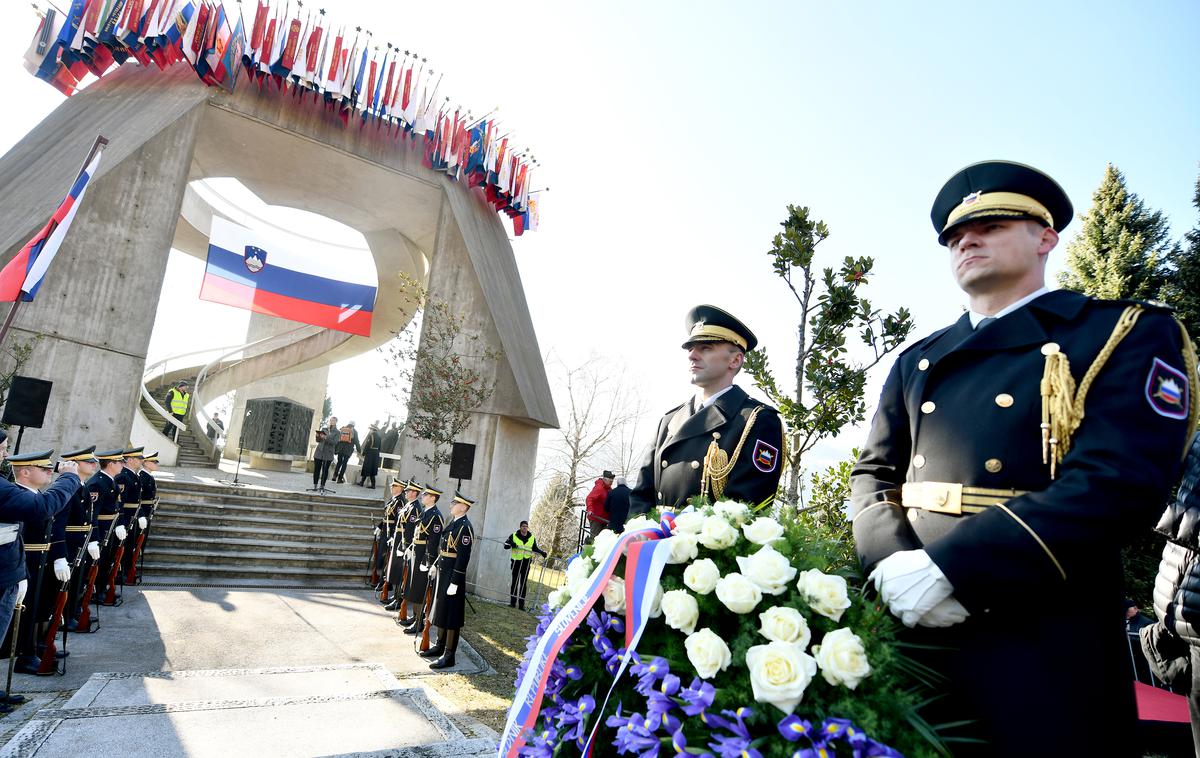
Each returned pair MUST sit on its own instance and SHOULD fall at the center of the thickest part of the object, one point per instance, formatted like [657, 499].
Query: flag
[283, 278]
[23, 274]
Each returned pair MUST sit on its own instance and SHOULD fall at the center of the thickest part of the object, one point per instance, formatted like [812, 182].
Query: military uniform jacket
[38, 537]
[79, 521]
[964, 406]
[454, 553]
[670, 472]
[18, 505]
[129, 490]
[425, 541]
[407, 521]
[104, 495]
[149, 491]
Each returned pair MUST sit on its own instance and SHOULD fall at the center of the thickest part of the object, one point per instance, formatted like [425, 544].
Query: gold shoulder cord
[718, 465]
[1189, 365]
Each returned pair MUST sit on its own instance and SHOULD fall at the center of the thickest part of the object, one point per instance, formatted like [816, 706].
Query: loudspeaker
[276, 425]
[462, 460]
[27, 400]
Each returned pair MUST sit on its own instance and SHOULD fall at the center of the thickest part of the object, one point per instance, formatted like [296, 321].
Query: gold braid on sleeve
[1189, 366]
[1062, 404]
[718, 465]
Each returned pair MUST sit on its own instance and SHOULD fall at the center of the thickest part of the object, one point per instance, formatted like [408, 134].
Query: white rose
[826, 593]
[603, 544]
[779, 674]
[680, 610]
[768, 569]
[690, 522]
[578, 573]
[683, 548]
[558, 598]
[842, 658]
[763, 530]
[638, 523]
[701, 576]
[781, 624]
[717, 534]
[614, 595]
[737, 593]
[736, 513]
[707, 653]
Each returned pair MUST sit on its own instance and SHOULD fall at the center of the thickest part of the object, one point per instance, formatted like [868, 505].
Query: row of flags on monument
[300, 52]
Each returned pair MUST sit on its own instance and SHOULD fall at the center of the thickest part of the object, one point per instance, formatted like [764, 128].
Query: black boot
[447, 659]
[27, 664]
[436, 650]
[393, 606]
[415, 627]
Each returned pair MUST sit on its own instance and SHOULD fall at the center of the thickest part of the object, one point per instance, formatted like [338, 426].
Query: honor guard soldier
[105, 493]
[131, 504]
[408, 515]
[80, 517]
[149, 501]
[387, 537]
[424, 552]
[1013, 453]
[379, 548]
[721, 444]
[449, 600]
[23, 501]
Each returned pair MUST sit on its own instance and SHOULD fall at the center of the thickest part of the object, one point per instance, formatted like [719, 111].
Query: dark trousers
[320, 472]
[170, 429]
[520, 578]
[339, 471]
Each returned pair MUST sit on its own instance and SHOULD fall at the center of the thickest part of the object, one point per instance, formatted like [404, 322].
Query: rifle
[49, 662]
[131, 576]
[373, 566]
[84, 622]
[426, 611]
[111, 597]
[403, 596]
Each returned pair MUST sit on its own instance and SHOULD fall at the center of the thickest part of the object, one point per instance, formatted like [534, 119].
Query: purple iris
[632, 735]
[873, 748]
[573, 717]
[833, 729]
[698, 697]
[818, 750]
[659, 702]
[540, 744]
[648, 674]
[793, 728]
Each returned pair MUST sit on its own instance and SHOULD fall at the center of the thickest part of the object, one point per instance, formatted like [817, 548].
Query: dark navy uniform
[39, 536]
[1025, 515]
[454, 553]
[425, 539]
[80, 518]
[105, 493]
[408, 519]
[131, 505]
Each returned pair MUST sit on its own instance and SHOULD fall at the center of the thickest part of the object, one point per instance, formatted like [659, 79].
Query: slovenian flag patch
[1167, 390]
[766, 457]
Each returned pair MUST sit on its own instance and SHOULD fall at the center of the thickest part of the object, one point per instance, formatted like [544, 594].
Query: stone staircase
[190, 453]
[236, 536]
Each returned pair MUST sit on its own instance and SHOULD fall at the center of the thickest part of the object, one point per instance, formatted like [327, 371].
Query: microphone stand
[241, 443]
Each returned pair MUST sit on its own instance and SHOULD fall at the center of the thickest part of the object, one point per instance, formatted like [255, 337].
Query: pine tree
[1182, 291]
[1123, 247]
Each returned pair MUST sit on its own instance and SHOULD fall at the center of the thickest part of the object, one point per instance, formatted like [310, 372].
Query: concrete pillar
[95, 310]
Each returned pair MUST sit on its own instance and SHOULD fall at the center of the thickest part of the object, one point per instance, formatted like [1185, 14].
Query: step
[242, 559]
[353, 537]
[228, 544]
[262, 511]
[291, 504]
[349, 498]
[249, 522]
[356, 577]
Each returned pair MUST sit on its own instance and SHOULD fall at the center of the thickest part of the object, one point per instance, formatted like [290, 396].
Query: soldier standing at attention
[449, 602]
[1012, 455]
[424, 553]
[80, 517]
[105, 494]
[383, 535]
[131, 502]
[407, 518]
[722, 443]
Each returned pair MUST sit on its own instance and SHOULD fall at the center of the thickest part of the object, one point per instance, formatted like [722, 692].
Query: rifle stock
[374, 563]
[84, 622]
[403, 595]
[427, 620]
[49, 661]
[132, 574]
[111, 597]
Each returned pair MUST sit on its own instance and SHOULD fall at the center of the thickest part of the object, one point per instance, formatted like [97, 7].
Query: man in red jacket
[597, 511]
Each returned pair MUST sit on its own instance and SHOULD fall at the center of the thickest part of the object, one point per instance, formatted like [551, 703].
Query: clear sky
[674, 134]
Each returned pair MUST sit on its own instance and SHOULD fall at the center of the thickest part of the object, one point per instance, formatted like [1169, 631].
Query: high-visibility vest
[179, 402]
[522, 548]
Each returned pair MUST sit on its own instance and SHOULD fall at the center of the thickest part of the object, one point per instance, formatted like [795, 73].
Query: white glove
[93, 549]
[911, 584]
[422, 567]
[408, 554]
[121, 533]
[62, 572]
[142, 522]
[452, 589]
[399, 552]
[22, 586]
[946, 613]
[377, 532]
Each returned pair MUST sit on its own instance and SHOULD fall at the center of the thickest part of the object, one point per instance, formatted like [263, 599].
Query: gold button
[664, 464]
[918, 461]
[993, 465]
[1004, 400]
[923, 364]
[1050, 348]
[928, 406]
[695, 464]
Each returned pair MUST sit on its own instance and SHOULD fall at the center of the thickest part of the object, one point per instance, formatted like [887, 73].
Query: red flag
[336, 62]
[288, 59]
[260, 27]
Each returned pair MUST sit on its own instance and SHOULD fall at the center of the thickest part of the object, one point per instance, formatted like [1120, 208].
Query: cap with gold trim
[133, 452]
[86, 454]
[461, 498]
[1000, 189]
[708, 323]
[411, 484]
[107, 456]
[429, 488]
[40, 460]
[151, 457]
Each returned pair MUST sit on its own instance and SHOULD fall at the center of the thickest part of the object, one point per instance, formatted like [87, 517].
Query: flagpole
[100, 142]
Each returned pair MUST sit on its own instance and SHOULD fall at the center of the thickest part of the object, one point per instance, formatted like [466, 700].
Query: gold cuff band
[106, 517]
[444, 554]
[84, 528]
[39, 548]
[953, 498]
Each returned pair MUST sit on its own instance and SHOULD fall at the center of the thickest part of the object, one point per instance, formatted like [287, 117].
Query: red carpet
[1154, 704]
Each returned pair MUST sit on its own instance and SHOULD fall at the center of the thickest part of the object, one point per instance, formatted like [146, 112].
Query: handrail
[150, 370]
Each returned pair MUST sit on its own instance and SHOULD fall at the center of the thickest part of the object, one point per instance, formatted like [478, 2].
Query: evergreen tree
[1182, 291]
[1123, 247]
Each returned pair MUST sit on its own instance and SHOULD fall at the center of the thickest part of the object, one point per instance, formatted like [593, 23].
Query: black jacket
[18, 504]
[671, 469]
[1177, 586]
[617, 506]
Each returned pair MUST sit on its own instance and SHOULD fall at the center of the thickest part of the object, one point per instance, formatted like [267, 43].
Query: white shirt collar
[26, 486]
[700, 405]
[977, 317]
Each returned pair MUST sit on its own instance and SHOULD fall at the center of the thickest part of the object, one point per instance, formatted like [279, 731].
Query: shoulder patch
[466, 538]
[1167, 390]
[765, 456]
[437, 527]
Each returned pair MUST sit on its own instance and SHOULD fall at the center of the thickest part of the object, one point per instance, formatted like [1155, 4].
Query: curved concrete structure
[167, 129]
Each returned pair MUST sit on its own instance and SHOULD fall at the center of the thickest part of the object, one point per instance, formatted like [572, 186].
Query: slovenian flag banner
[285, 278]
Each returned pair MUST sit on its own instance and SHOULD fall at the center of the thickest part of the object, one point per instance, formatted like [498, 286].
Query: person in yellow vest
[178, 402]
[523, 545]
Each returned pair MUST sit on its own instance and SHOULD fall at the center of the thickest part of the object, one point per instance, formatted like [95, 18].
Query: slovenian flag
[249, 269]
[23, 274]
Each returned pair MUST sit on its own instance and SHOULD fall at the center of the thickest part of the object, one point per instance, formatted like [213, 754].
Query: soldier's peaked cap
[708, 323]
[1000, 189]
[133, 452]
[40, 459]
[399, 483]
[82, 454]
[411, 484]
[110, 455]
[151, 457]
[432, 490]
[461, 498]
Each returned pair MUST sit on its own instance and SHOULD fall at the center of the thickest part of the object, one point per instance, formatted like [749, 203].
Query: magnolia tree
[829, 384]
[439, 373]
